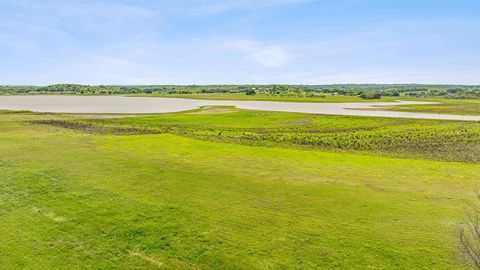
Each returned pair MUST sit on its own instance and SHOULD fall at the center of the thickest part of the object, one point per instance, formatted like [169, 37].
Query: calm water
[118, 104]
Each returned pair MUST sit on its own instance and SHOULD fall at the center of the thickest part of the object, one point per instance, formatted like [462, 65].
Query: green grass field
[221, 188]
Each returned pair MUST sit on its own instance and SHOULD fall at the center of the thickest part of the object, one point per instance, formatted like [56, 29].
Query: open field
[239, 135]
[229, 189]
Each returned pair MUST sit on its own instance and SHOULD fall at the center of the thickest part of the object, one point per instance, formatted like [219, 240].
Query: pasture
[230, 189]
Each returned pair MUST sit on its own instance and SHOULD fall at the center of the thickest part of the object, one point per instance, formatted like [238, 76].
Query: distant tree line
[365, 91]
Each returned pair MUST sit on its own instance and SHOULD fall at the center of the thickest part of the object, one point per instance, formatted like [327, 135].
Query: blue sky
[244, 41]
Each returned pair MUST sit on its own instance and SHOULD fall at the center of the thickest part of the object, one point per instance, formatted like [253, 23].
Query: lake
[120, 104]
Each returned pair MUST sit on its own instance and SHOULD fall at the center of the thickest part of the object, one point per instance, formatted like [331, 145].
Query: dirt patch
[98, 129]
[216, 110]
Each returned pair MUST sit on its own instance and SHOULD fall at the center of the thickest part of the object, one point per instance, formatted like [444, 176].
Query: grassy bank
[264, 97]
[445, 106]
[84, 198]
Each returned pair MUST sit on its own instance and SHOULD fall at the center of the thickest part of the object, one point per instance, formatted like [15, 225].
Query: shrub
[250, 92]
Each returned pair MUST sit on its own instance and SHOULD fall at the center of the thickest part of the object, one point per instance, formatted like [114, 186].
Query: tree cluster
[365, 91]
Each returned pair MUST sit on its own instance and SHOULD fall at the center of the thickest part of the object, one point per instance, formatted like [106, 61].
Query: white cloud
[266, 55]
[271, 56]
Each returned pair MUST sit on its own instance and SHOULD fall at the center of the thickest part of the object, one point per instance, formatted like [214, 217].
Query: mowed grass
[76, 200]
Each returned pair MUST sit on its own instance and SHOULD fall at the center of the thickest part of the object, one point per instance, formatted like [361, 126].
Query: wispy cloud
[266, 55]
[271, 56]
[210, 7]
[32, 15]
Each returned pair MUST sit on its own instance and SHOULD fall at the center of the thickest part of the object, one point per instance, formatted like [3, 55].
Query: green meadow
[222, 188]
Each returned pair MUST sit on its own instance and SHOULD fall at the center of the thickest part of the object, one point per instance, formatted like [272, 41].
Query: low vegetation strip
[439, 140]
[96, 128]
